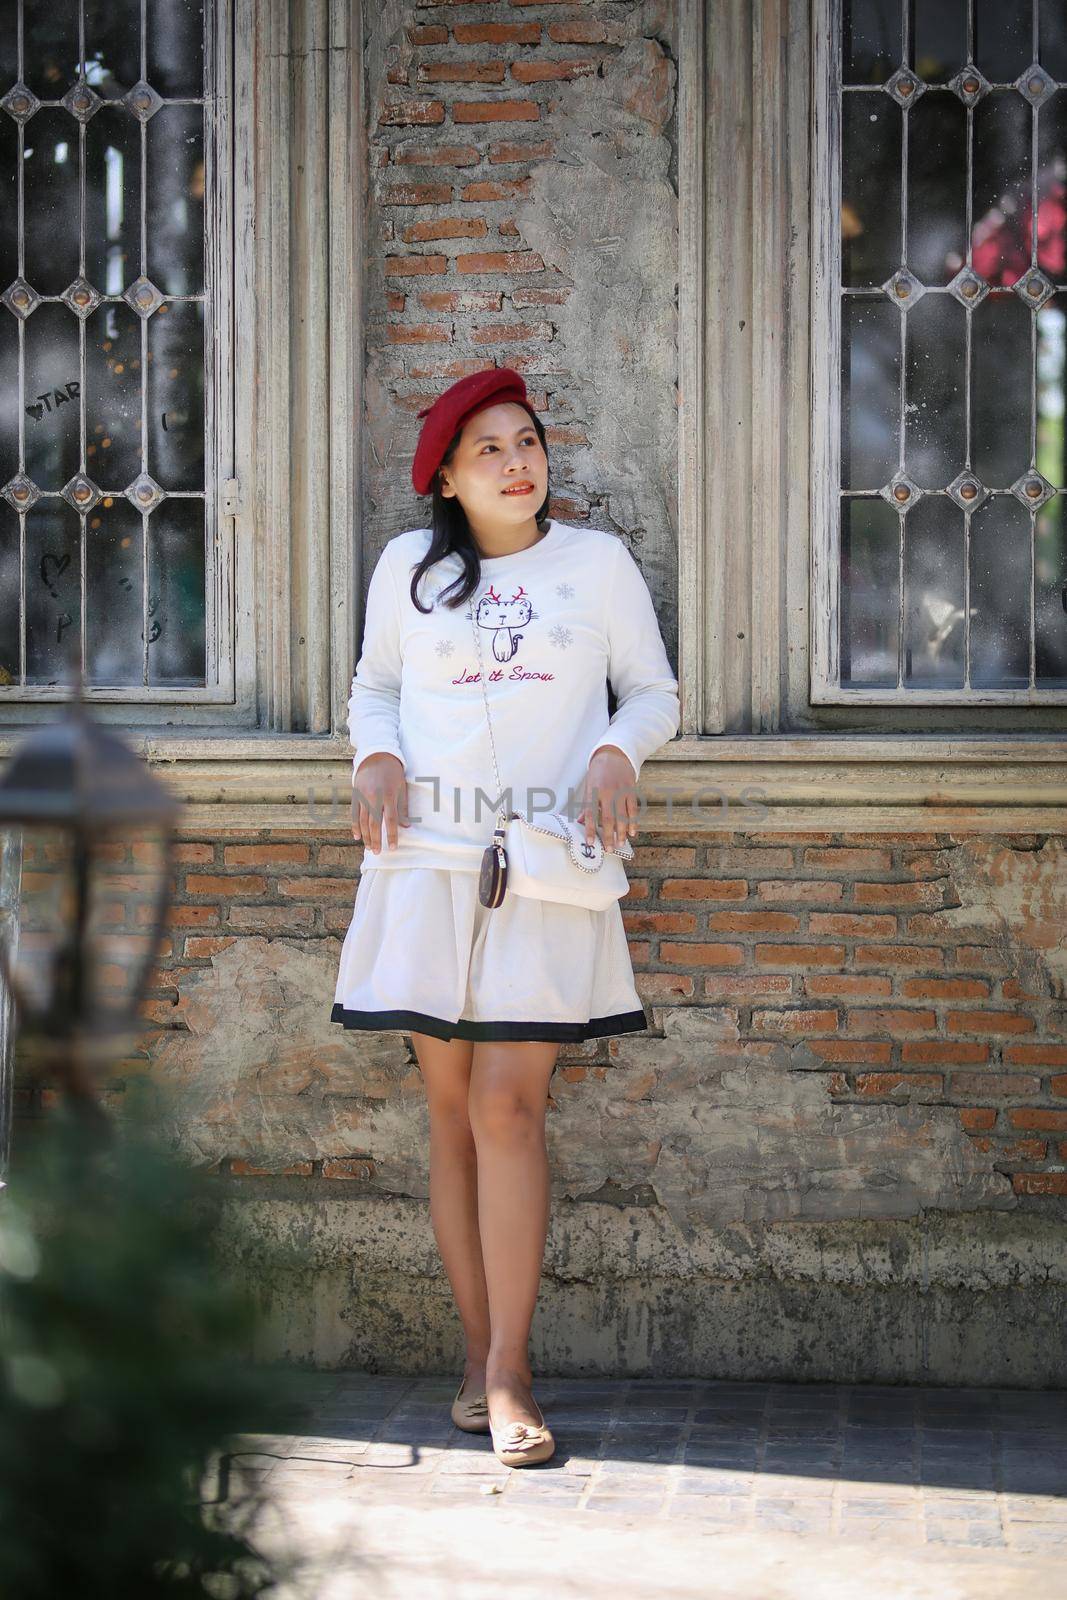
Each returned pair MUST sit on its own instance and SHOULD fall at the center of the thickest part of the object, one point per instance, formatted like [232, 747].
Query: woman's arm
[648, 711]
[374, 704]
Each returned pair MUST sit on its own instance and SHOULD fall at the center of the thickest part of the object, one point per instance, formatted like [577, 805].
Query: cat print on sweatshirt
[504, 618]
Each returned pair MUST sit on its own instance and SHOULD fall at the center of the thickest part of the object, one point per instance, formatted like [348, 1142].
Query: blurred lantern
[93, 910]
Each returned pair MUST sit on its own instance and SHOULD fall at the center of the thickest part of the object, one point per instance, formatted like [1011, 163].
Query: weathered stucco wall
[842, 1149]
[938, 1298]
[536, 230]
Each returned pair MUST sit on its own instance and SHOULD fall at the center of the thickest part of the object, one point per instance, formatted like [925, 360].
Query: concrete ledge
[851, 782]
[953, 1298]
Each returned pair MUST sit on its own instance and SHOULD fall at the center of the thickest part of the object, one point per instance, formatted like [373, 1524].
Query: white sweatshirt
[555, 622]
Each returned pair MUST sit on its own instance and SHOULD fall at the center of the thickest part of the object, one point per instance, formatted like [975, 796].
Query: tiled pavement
[914, 1470]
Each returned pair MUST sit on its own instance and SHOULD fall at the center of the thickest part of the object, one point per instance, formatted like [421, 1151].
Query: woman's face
[498, 449]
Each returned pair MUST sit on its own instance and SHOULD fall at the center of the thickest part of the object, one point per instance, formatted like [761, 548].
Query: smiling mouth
[519, 488]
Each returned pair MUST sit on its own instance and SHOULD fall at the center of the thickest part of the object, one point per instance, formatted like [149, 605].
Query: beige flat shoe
[519, 1444]
[470, 1412]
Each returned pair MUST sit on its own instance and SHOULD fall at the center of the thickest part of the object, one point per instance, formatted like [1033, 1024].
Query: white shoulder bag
[546, 859]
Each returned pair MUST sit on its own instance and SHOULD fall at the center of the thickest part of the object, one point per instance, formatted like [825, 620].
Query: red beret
[451, 410]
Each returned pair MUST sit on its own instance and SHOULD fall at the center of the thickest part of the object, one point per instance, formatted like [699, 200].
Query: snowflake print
[560, 636]
[565, 591]
[444, 647]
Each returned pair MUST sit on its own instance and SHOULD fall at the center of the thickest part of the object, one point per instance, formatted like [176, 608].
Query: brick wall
[853, 949]
[524, 213]
[858, 1050]
[881, 964]
[844, 946]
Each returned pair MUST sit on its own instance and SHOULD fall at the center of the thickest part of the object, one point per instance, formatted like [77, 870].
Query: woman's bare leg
[446, 1072]
[508, 1096]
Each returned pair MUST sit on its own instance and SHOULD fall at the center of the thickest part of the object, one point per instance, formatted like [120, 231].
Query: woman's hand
[609, 783]
[379, 793]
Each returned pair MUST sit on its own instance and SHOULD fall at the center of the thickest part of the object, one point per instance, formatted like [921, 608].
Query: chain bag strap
[493, 879]
[580, 873]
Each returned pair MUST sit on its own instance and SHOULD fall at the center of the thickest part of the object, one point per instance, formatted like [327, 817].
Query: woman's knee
[451, 1122]
[499, 1116]
[507, 1106]
[449, 1106]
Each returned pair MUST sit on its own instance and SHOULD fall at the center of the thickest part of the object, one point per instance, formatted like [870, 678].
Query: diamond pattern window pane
[870, 540]
[870, 30]
[1054, 38]
[103, 336]
[935, 414]
[870, 365]
[933, 587]
[937, 219]
[10, 559]
[953, 286]
[870, 188]
[113, 45]
[50, 47]
[175, 47]
[1002, 37]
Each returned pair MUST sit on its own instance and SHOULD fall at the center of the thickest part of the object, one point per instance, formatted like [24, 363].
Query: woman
[550, 612]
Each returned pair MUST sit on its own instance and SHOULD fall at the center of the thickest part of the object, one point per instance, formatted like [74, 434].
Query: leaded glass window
[942, 300]
[108, 313]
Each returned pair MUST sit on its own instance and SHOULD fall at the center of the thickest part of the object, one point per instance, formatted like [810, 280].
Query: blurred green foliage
[125, 1372]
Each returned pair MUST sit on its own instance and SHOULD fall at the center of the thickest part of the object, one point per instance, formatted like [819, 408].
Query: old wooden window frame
[747, 412]
[287, 105]
[827, 321]
[20, 703]
[744, 71]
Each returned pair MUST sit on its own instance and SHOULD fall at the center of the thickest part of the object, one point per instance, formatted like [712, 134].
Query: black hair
[452, 534]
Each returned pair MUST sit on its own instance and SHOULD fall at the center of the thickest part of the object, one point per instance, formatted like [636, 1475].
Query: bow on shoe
[519, 1435]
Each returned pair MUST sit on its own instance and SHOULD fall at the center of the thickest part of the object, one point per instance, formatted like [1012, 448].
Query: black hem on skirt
[438, 1028]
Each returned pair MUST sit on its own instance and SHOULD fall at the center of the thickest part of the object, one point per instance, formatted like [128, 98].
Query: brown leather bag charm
[493, 878]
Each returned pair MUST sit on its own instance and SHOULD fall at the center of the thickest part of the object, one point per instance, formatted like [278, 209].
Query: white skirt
[423, 954]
